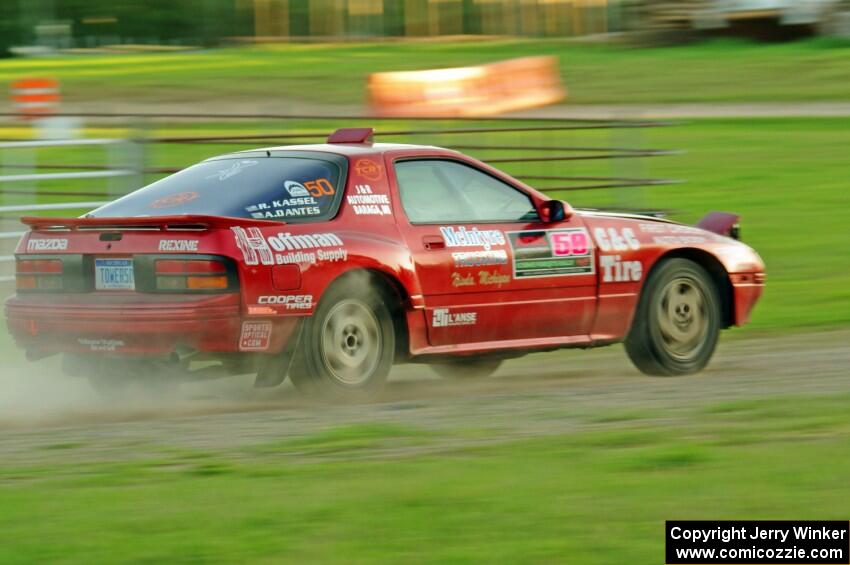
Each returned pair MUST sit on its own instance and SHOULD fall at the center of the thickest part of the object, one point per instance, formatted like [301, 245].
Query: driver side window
[441, 191]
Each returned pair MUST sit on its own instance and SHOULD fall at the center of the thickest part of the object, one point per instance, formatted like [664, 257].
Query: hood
[631, 215]
[720, 223]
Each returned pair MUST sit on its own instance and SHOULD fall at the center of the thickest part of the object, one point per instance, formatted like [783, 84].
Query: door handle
[433, 242]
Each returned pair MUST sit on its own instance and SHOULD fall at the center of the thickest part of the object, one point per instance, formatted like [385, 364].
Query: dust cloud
[40, 394]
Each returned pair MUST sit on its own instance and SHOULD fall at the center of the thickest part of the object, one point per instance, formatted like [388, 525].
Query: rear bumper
[141, 325]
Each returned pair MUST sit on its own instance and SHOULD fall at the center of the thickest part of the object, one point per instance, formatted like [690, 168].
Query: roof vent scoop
[352, 135]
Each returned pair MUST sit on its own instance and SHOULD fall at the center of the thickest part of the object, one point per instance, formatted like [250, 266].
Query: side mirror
[554, 211]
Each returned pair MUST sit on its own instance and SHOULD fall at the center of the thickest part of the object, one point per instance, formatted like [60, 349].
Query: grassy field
[372, 493]
[596, 487]
[786, 177]
[718, 71]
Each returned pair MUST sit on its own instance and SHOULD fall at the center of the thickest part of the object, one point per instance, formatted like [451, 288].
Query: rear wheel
[677, 321]
[466, 368]
[348, 344]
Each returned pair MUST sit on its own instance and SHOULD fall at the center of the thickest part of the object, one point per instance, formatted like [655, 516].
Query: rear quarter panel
[291, 274]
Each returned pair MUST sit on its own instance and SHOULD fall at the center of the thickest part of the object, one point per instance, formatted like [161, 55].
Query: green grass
[600, 495]
[788, 180]
[717, 71]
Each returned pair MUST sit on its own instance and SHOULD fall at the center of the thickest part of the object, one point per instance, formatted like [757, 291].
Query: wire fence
[532, 149]
[557, 156]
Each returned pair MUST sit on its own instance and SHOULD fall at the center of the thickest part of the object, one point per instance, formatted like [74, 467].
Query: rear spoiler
[183, 222]
[721, 223]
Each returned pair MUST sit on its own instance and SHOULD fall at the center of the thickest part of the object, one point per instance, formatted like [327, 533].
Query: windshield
[290, 189]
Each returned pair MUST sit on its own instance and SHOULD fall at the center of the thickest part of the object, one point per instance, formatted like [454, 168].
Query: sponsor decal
[365, 203]
[320, 187]
[286, 248]
[653, 227]
[261, 311]
[613, 239]
[101, 344]
[675, 234]
[662, 228]
[255, 336]
[304, 201]
[174, 200]
[614, 267]
[304, 205]
[492, 277]
[484, 278]
[295, 188]
[287, 212]
[310, 258]
[616, 270]
[369, 169]
[291, 302]
[178, 244]
[233, 170]
[47, 245]
[462, 280]
[551, 253]
[442, 318]
[462, 237]
[480, 258]
[679, 239]
[316, 188]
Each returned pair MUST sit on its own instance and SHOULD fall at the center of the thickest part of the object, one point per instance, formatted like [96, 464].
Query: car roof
[345, 149]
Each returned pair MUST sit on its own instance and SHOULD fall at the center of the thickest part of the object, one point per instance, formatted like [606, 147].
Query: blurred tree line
[92, 23]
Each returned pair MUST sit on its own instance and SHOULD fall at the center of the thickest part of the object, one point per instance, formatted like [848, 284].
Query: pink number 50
[569, 243]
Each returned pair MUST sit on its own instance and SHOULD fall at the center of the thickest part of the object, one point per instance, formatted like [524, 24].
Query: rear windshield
[290, 189]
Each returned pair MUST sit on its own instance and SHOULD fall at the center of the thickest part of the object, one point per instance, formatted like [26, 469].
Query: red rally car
[330, 262]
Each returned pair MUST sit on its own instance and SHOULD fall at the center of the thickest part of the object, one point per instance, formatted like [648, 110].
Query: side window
[439, 191]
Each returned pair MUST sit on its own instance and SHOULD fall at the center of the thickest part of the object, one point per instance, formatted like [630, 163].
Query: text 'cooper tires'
[677, 320]
[348, 344]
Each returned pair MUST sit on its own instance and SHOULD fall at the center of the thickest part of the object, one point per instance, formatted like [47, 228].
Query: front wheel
[348, 344]
[677, 321]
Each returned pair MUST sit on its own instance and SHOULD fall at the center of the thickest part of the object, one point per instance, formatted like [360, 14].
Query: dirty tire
[466, 368]
[677, 321]
[348, 344]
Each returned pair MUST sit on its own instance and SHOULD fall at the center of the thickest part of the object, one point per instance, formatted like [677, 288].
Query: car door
[489, 269]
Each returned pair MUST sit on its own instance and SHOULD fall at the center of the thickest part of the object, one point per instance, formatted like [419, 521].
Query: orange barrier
[484, 90]
[34, 97]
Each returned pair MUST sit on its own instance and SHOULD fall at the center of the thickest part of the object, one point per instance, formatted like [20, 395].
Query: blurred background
[672, 107]
[67, 24]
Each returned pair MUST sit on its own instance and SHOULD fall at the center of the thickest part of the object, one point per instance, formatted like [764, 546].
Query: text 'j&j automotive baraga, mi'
[328, 263]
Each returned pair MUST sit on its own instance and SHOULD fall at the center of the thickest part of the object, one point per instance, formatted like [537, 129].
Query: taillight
[38, 274]
[190, 274]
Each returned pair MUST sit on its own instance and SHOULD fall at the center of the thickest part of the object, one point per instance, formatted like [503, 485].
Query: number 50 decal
[319, 187]
[566, 243]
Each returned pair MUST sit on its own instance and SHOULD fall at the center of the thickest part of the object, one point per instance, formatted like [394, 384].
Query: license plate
[114, 274]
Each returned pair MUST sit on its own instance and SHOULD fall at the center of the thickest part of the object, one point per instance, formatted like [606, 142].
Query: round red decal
[174, 200]
[368, 169]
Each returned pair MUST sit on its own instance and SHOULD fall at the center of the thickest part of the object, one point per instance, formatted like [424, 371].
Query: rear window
[290, 189]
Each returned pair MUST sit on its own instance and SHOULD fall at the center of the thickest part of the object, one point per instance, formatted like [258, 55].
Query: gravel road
[538, 394]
